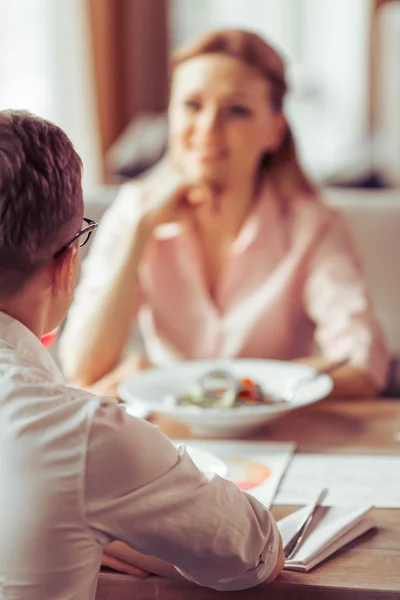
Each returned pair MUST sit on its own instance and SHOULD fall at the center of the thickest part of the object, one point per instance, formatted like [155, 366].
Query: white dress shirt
[77, 472]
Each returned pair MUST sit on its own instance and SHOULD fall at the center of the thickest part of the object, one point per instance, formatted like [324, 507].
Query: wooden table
[367, 569]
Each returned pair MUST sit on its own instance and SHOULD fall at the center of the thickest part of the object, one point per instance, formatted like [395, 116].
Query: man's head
[41, 210]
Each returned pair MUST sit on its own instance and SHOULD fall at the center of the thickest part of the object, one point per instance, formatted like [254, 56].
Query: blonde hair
[282, 166]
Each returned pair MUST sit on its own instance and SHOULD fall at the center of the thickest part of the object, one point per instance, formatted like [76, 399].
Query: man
[77, 472]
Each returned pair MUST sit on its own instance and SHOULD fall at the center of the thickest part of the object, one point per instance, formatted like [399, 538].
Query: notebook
[333, 528]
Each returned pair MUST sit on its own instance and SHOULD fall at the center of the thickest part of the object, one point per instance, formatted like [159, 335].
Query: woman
[227, 248]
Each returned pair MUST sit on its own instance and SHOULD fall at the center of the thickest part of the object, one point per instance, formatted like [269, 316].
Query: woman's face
[221, 120]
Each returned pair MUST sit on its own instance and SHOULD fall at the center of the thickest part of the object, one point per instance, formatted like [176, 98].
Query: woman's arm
[337, 301]
[349, 381]
[108, 297]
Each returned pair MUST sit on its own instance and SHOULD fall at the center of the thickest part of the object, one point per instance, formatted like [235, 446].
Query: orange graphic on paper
[247, 474]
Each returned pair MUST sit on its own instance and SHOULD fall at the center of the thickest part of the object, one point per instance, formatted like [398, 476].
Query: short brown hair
[283, 166]
[40, 195]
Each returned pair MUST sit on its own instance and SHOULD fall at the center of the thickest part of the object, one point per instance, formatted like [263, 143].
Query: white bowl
[149, 388]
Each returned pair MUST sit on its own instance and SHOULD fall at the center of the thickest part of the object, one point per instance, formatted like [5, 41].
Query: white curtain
[46, 68]
[387, 150]
[326, 46]
[331, 102]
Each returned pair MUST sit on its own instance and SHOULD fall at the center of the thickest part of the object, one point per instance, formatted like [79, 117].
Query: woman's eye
[239, 110]
[192, 105]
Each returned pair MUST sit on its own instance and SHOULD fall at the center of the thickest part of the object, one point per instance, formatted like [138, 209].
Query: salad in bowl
[221, 398]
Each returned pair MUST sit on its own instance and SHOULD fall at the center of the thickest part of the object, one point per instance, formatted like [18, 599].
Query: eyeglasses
[85, 233]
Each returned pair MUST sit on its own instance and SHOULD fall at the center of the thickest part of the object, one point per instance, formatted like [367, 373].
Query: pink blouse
[292, 283]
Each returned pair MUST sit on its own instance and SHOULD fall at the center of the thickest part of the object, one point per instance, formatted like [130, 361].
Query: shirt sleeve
[102, 263]
[337, 300]
[142, 490]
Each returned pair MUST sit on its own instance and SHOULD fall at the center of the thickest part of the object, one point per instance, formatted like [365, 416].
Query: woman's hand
[349, 381]
[177, 202]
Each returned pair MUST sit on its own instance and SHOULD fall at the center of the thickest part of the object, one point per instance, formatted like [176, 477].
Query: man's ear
[65, 271]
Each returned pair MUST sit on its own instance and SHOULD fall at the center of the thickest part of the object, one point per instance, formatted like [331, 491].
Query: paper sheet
[351, 479]
[256, 467]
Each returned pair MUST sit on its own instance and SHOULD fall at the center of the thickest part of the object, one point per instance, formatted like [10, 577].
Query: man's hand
[121, 557]
[112, 562]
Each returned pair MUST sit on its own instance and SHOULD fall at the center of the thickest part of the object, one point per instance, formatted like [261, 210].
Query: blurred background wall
[99, 68]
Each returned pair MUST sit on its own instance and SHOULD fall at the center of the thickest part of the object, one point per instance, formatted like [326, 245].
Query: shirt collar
[263, 220]
[20, 339]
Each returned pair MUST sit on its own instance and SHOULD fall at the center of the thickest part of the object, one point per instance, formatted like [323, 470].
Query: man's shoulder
[22, 385]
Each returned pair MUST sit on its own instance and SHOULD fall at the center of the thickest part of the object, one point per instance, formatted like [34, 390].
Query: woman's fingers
[204, 195]
[197, 195]
[180, 204]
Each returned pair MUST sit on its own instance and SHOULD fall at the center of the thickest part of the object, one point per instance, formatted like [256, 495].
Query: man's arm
[140, 490]
[121, 557]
